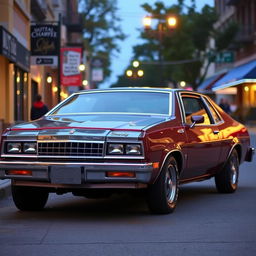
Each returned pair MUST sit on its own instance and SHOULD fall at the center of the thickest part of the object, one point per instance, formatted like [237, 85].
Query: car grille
[70, 149]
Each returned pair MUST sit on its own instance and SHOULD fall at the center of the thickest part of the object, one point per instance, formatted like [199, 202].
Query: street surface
[204, 223]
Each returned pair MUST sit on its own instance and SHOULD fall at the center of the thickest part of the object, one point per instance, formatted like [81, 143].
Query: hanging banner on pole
[45, 41]
[70, 61]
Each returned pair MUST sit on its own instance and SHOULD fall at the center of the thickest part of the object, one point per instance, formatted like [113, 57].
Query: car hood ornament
[72, 131]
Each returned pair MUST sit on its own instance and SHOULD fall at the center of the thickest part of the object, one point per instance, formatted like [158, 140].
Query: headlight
[14, 147]
[133, 149]
[124, 149]
[115, 149]
[29, 147]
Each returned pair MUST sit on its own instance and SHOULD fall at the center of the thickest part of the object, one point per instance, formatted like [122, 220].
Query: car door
[202, 144]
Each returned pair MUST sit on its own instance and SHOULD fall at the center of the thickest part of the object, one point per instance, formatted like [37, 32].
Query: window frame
[205, 102]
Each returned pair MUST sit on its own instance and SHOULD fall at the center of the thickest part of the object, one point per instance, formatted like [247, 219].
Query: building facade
[14, 60]
[20, 81]
[238, 78]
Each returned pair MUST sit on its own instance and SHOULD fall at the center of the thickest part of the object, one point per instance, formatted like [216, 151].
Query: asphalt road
[204, 223]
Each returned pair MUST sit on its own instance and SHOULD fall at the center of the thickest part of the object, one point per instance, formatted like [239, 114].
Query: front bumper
[76, 174]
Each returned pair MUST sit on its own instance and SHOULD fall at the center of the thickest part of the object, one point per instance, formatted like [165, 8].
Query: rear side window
[214, 113]
[194, 106]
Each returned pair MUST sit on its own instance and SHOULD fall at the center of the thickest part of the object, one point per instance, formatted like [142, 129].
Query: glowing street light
[129, 73]
[140, 73]
[135, 64]
[147, 21]
[49, 79]
[85, 82]
[55, 89]
[172, 22]
[182, 84]
[81, 67]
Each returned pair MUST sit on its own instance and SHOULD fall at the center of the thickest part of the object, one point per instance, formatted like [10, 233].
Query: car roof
[146, 89]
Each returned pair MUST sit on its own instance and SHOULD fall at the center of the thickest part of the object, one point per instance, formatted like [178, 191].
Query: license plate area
[65, 175]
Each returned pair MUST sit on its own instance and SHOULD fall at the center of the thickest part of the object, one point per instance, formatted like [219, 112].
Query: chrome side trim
[76, 163]
[182, 110]
[114, 185]
[207, 103]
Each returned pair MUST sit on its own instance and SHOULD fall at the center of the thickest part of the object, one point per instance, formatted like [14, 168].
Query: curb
[5, 188]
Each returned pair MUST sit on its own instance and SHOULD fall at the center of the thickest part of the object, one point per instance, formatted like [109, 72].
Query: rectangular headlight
[14, 147]
[133, 149]
[29, 147]
[115, 149]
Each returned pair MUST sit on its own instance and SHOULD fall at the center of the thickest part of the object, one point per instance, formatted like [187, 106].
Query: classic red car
[99, 142]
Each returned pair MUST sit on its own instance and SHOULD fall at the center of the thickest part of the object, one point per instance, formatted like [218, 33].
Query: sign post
[224, 57]
[45, 45]
[70, 61]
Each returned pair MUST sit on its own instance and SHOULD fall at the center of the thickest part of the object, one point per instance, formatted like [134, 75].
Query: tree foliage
[187, 44]
[102, 30]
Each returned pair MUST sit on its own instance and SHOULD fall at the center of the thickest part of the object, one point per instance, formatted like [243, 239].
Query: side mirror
[196, 120]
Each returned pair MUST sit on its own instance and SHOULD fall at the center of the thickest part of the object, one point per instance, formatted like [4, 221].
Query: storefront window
[21, 89]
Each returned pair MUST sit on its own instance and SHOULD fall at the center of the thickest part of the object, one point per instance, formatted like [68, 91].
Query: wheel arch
[179, 159]
[177, 154]
[238, 148]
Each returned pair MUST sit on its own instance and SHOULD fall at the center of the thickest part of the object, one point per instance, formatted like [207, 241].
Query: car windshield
[115, 102]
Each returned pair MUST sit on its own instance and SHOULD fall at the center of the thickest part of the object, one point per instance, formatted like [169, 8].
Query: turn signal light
[156, 165]
[120, 174]
[19, 172]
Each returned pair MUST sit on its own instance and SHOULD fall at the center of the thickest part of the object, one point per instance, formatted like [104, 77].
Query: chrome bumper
[75, 173]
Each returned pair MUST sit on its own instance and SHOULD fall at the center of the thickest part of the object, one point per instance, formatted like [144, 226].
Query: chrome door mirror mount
[196, 120]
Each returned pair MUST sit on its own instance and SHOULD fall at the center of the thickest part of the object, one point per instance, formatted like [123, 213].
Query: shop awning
[242, 74]
[208, 82]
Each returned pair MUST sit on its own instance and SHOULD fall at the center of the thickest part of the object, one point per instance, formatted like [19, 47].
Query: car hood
[86, 125]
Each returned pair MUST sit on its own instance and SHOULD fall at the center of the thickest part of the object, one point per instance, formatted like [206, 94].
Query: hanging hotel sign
[8, 45]
[97, 74]
[45, 43]
[70, 61]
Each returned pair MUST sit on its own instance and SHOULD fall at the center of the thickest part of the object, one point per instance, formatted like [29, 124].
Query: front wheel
[29, 198]
[163, 194]
[227, 180]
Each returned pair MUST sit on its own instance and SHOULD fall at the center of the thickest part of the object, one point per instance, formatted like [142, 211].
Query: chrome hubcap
[171, 184]
[234, 173]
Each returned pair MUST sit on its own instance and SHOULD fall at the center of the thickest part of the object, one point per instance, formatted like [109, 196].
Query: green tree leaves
[189, 41]
[102, 30]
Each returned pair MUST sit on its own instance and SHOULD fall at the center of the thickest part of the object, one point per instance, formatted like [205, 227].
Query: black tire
[163, 194]
[29, 198]
[227, 180]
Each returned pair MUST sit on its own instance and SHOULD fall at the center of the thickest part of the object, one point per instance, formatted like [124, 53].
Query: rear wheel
[163, 194]
[29, 198]
[227, 180]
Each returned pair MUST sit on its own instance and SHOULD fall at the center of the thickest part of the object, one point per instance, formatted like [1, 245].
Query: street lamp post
[135, 72]
[164, 27]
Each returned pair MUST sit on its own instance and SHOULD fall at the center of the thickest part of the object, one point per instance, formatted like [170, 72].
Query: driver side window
[194, 106]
